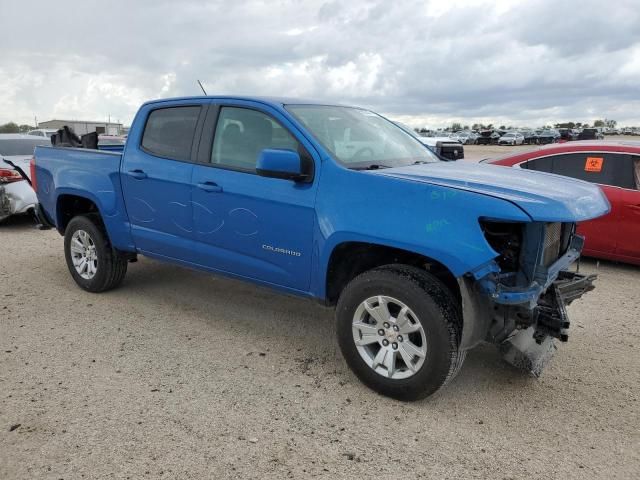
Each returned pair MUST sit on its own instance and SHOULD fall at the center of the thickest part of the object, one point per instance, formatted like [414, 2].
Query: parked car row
[622, 131]
[541, 136]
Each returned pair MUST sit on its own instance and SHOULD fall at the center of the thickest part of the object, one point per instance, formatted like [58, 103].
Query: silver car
[466, 137]
[16, 194]
[511, 138]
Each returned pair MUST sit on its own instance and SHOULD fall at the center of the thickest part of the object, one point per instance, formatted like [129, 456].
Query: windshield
[21, 146]
[361, 139]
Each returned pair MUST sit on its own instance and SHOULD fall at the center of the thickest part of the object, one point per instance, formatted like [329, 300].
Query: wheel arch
[350, 258]
[69, 205]
[107, 205]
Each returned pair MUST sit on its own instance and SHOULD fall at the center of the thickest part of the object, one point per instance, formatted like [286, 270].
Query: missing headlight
[506, 239]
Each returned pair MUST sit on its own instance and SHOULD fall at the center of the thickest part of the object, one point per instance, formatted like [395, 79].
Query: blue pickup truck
[422, 259]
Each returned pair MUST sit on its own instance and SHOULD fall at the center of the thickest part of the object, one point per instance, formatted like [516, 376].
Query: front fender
[437, 222]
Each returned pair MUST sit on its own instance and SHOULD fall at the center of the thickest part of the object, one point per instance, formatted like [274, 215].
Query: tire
[109, 268]
[430, 304]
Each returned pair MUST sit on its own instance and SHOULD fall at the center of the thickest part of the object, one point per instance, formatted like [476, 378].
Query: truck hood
[543, 196]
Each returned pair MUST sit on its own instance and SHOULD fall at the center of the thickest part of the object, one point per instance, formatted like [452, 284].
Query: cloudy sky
[426, 62]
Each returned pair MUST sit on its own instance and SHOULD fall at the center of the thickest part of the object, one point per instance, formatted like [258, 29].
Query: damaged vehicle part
[423, 259]
[16, 195]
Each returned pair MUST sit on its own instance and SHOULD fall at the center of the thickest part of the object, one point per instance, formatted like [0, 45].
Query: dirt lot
[182, 375]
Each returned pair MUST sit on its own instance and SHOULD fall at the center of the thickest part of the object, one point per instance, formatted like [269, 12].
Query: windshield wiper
[373, 166]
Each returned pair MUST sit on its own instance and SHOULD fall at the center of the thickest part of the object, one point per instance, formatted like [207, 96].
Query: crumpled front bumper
[529, 294]
[495, 306]
[531, 348]
[15, 198]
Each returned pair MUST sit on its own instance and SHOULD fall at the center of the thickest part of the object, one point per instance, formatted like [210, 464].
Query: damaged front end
[518, 299]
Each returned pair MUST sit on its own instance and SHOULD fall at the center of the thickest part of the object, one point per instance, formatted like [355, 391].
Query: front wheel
[399, 329]
[93, 263]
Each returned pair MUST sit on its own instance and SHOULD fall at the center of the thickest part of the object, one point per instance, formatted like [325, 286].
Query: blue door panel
[159, 205]
[256, 227]
[253, 226]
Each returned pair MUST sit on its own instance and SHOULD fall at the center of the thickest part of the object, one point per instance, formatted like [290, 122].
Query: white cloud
[432, 62]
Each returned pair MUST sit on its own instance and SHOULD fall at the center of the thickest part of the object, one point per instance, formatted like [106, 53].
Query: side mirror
[283, 164]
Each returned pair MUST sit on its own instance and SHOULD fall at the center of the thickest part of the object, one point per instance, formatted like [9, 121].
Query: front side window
[169, 132]
[241, 135]
[360, 139]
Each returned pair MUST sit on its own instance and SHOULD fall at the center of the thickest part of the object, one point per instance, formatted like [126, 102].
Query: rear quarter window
[597, 167]
[169, 132]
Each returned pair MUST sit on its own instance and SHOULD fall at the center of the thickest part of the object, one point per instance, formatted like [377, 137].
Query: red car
[615, 166]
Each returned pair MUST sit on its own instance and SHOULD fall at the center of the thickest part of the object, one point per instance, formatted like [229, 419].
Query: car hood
[543, 196]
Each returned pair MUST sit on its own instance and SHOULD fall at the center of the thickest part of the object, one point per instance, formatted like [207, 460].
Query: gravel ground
[178, 374]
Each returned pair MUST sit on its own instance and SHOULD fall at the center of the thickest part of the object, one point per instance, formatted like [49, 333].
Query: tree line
[12, 127]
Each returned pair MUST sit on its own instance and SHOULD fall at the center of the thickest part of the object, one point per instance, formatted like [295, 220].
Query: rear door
[156, 178]
[245, 224]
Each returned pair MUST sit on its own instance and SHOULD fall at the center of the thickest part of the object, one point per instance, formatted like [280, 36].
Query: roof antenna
[203, 90]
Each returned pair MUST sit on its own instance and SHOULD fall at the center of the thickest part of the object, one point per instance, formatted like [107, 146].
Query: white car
[42, 132]
[16, 195]
[511, 138]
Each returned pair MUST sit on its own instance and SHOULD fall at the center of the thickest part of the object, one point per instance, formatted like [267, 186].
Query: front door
[245, 224]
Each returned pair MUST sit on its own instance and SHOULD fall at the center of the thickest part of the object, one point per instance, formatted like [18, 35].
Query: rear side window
[604, 168]
[169, 132]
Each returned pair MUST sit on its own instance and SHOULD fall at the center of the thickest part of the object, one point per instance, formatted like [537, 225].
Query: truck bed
[84, 172]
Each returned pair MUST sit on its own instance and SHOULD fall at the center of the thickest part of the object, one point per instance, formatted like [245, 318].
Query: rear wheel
[399, 329]
[93, 263]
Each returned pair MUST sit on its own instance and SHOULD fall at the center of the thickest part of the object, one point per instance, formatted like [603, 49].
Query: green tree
[24, 128]
[10, 127]
[456, 126]
[610, 123]
[598, 123]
